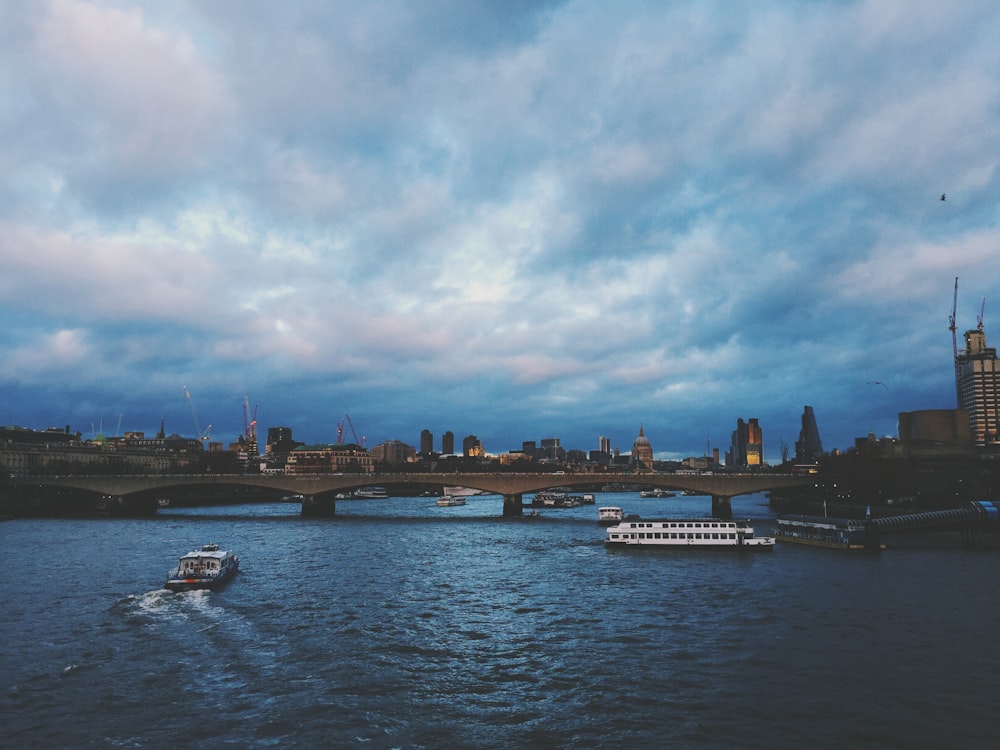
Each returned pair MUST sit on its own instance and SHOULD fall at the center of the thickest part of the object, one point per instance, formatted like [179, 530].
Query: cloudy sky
[514, 219]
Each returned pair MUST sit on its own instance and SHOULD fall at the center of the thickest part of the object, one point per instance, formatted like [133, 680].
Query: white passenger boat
[686, 532]
[206, 568]
[610, 515]
[378, 493]
[447, 501]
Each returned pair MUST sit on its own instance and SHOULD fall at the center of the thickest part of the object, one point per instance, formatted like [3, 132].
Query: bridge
[138, 494]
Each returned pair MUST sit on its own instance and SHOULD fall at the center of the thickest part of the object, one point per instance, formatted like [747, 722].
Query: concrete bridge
[138, 494]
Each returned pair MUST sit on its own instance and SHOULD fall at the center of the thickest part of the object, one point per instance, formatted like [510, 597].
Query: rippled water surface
[400, 624]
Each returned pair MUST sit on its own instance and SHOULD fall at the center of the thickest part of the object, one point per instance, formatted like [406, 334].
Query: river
[398, 624]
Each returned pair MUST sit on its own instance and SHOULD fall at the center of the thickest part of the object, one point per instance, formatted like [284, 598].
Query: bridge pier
[512, 504]
[132, 505]
[722, 507]
[319, 506]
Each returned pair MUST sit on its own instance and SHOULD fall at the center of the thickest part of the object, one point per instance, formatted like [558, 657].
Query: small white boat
[610, 515]
[709, 533]
[656, 493]
[446, 501]
[206, 568]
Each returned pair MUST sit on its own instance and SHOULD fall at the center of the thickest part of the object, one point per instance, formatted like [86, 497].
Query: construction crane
[979, 318]
[951, 322]
[350, 424]
[202, 435]
[954, 346]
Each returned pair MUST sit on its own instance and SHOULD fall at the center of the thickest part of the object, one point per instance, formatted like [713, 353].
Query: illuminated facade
[748, 445]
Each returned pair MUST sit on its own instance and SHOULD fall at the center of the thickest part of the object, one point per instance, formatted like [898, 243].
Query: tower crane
[954, 346]
[979, 318]
[350, 424]
[951, 321]
[201, 435]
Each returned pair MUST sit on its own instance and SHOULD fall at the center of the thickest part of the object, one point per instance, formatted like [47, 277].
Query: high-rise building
[604, 444]
[808, 448]
[747, 444]
[978, 384]
[448, 443]
[472, 447]
[426, 442]
[279, 441]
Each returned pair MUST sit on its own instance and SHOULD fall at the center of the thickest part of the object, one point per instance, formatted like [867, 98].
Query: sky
[518, 220]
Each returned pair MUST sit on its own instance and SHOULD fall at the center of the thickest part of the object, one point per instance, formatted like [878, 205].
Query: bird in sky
[878, 382]
[942, 197]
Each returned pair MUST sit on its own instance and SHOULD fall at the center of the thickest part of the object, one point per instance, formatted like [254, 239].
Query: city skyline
[517, 221]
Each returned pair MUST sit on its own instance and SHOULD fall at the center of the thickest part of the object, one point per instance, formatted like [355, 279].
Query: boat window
[715, 536]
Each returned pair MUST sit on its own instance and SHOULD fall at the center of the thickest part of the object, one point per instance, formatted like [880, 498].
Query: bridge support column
[512, 504]
[132, 505]
[722, 507]
[319, 506]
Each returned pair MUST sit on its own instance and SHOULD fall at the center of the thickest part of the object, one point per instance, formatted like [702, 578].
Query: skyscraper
[808, 448]
[604, 444]
[426, 442]
[978, 383]
[448, 443]
[747, 445]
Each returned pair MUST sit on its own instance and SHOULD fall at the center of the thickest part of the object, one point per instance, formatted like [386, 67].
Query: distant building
[472, 447]
[747, 445]
[394, 452]
[426, 442]
[808, 448]
[448, 443]
[604, 444]
[551, 450]
[279, 441]
[978, 383]
[642, 452]
[328, 459]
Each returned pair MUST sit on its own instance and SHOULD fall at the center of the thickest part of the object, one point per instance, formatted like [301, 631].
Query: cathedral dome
[642, 451]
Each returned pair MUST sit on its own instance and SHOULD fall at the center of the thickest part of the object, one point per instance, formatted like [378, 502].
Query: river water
[399, 624]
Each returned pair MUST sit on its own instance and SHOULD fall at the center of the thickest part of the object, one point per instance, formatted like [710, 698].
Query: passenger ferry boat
[610, 515]
[379, 493]
[708, 533]
[207, 568]
[446, 501]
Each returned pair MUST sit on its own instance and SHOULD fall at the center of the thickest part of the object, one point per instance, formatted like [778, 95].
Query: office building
[448, 443]
[426, 442]
[747, 445]
[978, 383]
[808, 448]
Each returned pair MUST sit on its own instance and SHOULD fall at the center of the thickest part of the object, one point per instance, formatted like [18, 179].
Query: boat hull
[209, 583]
[699, 533]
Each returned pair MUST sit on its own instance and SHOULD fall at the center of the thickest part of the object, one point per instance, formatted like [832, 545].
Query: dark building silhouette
[808, 448]
[747, 445]
[448, 443]
[426, 442]
[279, 441]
